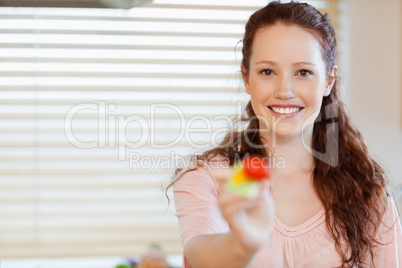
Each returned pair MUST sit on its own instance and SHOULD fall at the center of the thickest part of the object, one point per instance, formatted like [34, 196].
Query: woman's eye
[266, 72]
[305, 73]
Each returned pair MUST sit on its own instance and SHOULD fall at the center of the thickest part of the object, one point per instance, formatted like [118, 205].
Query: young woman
[327, 204]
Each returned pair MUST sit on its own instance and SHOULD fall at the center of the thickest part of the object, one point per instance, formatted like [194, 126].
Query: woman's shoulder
[203, 174]
[390, 212]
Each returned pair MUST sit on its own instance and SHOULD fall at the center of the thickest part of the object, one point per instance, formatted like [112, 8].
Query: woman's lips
[285, 110]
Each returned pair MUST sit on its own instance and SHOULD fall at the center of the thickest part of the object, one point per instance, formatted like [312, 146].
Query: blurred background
[100, 101]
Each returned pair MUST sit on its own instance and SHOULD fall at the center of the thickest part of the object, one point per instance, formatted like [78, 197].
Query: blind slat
[127, 61]
[95, 75]
[27, 44]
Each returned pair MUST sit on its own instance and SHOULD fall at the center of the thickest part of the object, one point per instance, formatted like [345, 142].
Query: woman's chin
[287, 132]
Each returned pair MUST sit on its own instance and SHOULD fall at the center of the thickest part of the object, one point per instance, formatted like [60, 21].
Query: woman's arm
[250, 222]
[217, 250]
[205, 213]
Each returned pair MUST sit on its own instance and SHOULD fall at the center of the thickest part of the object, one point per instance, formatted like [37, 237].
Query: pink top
[306, 245]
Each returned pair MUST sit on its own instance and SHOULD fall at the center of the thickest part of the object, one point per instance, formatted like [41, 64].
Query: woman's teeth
[286, 110]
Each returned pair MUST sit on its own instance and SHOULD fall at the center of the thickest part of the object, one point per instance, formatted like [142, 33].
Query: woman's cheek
[263, 89]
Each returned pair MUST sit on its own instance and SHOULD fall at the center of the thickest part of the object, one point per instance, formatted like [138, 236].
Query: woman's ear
[331, 81]
[244, 75]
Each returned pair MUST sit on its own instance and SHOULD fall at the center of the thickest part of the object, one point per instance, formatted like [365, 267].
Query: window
[98, 106]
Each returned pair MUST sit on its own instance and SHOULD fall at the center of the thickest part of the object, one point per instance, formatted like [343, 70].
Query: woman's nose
[284, 89]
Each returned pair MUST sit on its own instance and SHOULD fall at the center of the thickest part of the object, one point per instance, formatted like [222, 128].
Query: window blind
[98, 107]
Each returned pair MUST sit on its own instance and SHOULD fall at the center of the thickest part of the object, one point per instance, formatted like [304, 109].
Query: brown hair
[350, 184]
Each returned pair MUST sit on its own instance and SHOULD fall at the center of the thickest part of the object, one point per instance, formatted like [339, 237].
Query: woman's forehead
[282, 44]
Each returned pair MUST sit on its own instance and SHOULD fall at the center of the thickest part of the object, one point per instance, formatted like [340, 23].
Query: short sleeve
[195, 196]
[390, 235]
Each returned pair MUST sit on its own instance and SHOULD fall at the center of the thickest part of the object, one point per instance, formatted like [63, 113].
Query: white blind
[97, 108]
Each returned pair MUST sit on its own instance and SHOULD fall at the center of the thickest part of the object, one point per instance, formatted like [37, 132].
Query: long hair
[349, 183]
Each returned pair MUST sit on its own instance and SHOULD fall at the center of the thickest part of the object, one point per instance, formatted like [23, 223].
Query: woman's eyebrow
[267, 62]
[303, 63]
[276, 63]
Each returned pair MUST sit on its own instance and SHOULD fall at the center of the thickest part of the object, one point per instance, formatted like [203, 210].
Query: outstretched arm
[205, 213]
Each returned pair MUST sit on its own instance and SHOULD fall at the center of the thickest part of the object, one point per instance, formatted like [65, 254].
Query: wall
[372, 84]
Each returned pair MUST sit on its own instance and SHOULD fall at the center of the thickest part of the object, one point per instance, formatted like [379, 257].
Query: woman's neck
[291, 153]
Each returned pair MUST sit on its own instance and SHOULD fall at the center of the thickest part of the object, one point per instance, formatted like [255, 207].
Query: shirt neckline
[305, 227]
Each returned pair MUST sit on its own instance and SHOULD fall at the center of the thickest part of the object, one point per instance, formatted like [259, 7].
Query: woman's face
[287, 79]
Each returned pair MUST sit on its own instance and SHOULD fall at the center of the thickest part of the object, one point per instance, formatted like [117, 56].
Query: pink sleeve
[195, 197]
[390, 254]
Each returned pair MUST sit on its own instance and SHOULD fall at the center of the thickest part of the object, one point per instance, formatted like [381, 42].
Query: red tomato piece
[256, 167]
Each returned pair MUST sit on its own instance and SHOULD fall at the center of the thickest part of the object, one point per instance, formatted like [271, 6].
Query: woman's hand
[250, 220]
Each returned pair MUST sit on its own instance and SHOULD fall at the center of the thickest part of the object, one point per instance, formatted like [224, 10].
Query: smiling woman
[330, 205]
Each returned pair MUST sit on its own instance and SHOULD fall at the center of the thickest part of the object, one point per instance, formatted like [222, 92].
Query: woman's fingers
[250, 219]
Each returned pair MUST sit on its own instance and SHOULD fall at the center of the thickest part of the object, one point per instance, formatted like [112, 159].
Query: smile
[285, 110]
